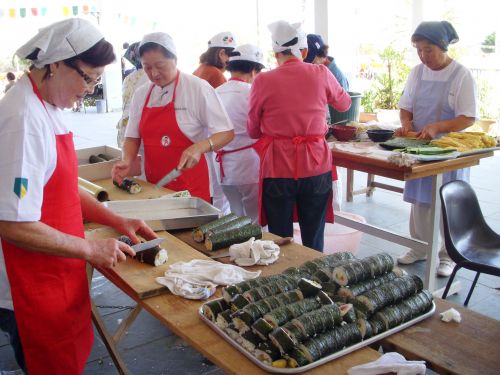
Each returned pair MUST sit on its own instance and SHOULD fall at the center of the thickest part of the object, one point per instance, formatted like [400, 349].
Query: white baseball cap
[163, 39]
[60, 41]
[222, 40]
[247, 52]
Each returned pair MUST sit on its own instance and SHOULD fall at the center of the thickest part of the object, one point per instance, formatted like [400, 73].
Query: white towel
[198, 278]
[389, 362]
[254, 252]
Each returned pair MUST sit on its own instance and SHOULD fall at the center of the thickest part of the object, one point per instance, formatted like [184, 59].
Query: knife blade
[147, 245]
[173, 174]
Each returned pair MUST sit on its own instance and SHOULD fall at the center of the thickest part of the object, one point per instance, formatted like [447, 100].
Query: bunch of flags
[65, 11]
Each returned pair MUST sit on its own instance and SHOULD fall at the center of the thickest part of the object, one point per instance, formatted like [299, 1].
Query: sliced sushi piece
[262, 328]
[224, 319]
[266, 352]
[365, 328]
[156, 256]
[282, 340]
[238, 302]
[129, 185]
[213, 308]
[297, 358]
[250, 340]
[308, 287]
[105, 157]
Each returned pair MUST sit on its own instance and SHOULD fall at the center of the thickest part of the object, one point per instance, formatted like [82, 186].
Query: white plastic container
[338, 237]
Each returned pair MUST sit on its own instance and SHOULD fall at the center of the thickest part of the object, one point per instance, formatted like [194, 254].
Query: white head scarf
[282, 33]
[60, 41]
[163, 39]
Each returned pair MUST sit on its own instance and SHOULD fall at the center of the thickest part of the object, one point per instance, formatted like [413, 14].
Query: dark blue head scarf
[440, 33]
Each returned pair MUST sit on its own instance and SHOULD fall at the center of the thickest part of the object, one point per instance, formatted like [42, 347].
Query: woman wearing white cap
[213, 61]
[287, 113]
[43, 280]
[238, 170]
[178, 117]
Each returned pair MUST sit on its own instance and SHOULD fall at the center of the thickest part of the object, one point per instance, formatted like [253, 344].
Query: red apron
[261, 147]
[164, 143]
[50, 293]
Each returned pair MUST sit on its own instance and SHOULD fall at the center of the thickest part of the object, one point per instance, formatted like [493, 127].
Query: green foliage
[488, 108]
[489, 43]
[389, 84]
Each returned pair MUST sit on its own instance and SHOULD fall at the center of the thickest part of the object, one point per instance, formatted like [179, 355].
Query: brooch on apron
[165, 140]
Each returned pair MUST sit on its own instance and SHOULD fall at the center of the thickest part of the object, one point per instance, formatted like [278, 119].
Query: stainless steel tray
[167, 213]
[321, 361]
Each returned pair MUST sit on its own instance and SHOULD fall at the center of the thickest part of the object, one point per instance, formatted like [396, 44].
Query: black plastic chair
[469, 241]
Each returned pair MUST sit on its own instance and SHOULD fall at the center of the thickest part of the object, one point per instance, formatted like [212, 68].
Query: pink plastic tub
[337, 237]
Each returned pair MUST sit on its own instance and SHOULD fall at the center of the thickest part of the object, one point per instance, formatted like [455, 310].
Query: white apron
[430, 104]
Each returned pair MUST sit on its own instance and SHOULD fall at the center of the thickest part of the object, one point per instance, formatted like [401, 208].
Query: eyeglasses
[89, 81]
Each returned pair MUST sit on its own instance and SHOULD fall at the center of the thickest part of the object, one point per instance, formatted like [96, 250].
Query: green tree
[489, 43]
[386, 91]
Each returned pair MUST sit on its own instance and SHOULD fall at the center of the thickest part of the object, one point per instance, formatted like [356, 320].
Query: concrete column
[321, 18]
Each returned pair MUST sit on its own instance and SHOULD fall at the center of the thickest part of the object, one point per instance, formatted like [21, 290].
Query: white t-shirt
[462, 95]
[241, 167]
[198, 109]
[27, 150]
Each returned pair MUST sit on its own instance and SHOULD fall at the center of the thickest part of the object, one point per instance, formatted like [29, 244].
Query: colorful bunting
[22, 12]
[85, 9]
[65, 11]
[12, 13]
[75, 10]
[34, 11]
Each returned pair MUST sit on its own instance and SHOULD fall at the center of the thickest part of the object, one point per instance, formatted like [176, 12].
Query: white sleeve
[27, 160]
[406, 100]
[211, 111]
[135, 113]
[465, 98]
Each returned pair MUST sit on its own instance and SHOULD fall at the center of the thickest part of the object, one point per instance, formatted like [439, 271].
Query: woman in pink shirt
[287, 113]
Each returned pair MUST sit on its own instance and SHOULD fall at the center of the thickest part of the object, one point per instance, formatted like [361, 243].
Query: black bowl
[380, 135]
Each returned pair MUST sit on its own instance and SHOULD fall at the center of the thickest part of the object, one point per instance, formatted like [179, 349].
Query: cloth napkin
[254, 252]
[451, 314]
[389, 362]
[198, 278]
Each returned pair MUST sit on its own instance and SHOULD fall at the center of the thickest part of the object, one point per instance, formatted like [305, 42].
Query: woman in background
[238, 170]
[439, 97]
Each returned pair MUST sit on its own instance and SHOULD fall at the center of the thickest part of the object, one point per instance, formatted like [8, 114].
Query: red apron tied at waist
[219, 156]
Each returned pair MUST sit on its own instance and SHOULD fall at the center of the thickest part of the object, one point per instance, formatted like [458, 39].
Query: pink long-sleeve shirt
[289, 102]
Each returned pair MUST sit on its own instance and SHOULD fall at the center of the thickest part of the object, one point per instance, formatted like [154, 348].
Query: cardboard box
[99, 171]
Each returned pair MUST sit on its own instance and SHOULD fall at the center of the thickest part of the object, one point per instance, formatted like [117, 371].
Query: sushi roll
[129, 185]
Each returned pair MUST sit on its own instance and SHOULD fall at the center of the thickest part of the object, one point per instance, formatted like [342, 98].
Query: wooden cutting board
[138, 279]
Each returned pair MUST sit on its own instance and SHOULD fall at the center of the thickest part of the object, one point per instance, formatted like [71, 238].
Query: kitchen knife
[147, 245]
[173, 174]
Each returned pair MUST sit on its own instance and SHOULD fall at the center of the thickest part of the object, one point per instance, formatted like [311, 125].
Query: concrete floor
[149, 348]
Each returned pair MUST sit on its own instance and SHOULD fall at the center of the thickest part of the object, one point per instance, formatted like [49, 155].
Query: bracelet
[212, 147]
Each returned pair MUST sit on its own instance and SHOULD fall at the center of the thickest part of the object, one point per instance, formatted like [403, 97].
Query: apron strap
[220, 153]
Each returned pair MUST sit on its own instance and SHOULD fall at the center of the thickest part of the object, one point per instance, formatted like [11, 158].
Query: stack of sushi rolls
[323, 306]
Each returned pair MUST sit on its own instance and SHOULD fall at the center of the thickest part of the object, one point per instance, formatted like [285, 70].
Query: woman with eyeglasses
[44, 295]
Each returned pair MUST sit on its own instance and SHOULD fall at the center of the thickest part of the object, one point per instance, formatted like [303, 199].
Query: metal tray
[167, 213]
[321, 361]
